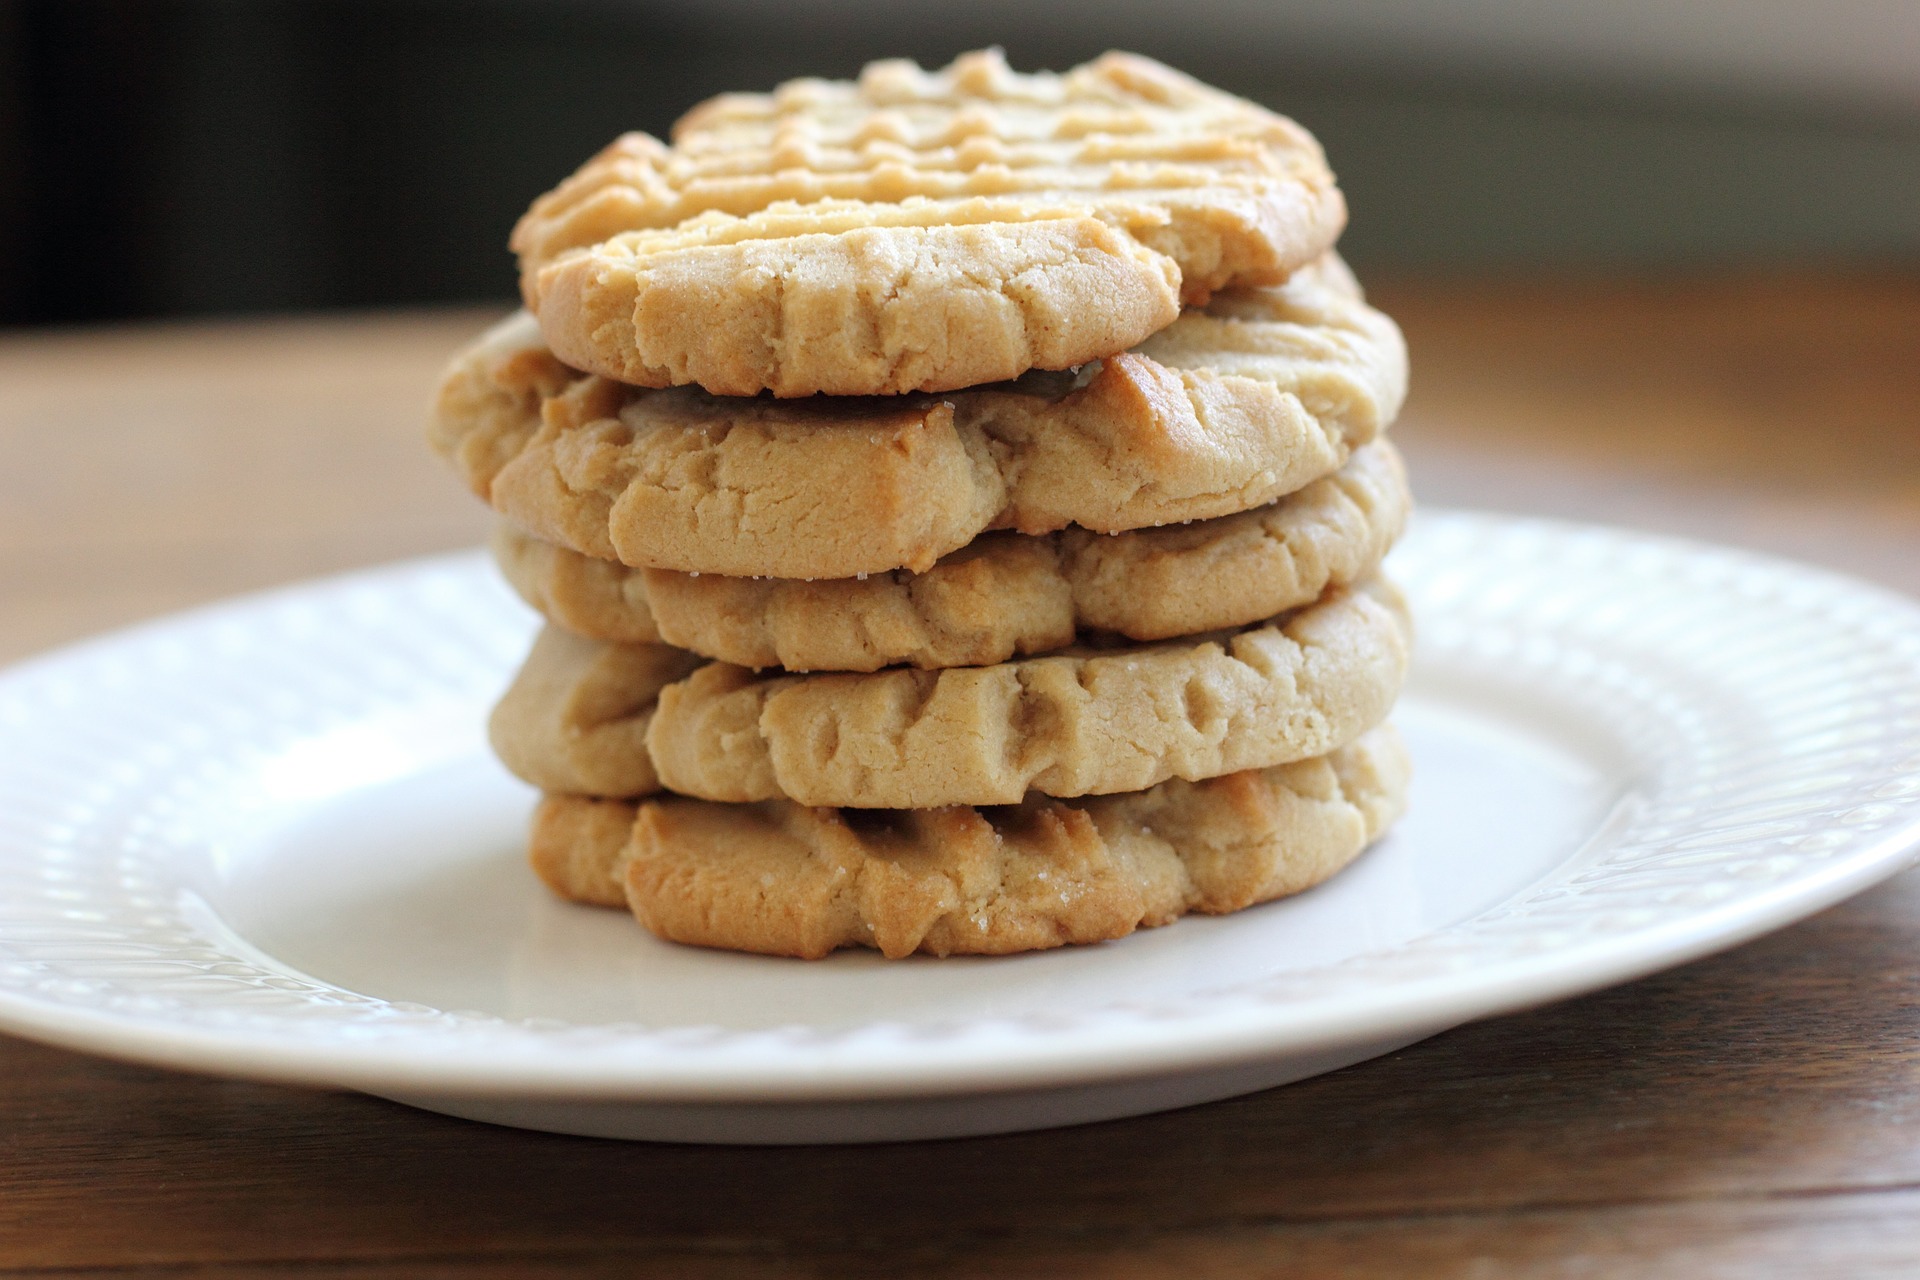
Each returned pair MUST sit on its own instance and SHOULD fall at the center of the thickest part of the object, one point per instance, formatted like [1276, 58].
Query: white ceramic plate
[266, 840]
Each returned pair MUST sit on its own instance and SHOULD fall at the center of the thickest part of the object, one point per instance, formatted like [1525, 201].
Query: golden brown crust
[766, 303]
[1181, 579]
[1078, 723]
[782, 879]
[574, 844]
[575, 718]
[598, 599]
[487, 408]
[919, 231]
[1252, 398]
[1002, 594]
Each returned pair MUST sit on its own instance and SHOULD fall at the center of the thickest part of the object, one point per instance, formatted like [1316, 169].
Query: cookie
[598, 599]
[783, 879]
[1231, 407]
[488, 406]
[917, 231]
[1080, 723]
[575, 718]
[1000, 595]
[839, 298]
[1086, 721]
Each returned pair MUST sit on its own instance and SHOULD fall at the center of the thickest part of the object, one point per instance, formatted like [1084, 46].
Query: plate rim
[1221, 1035]
[206, 1051]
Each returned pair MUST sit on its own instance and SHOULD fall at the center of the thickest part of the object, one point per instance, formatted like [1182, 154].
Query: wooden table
[1756, 1111]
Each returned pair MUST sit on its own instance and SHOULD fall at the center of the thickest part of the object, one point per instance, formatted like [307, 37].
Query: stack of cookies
[956, 499]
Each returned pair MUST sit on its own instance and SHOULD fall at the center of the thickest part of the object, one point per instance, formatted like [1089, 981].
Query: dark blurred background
[210, 156]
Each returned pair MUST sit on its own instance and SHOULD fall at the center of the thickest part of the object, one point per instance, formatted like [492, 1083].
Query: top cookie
[919, 231]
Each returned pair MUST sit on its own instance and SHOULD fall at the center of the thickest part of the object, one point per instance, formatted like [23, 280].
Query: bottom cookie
[783, 879]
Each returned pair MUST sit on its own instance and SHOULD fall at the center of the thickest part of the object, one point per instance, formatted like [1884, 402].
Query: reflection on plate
[266, 839]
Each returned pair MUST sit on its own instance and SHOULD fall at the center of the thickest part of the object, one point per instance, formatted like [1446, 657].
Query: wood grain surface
[1754, 1113]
